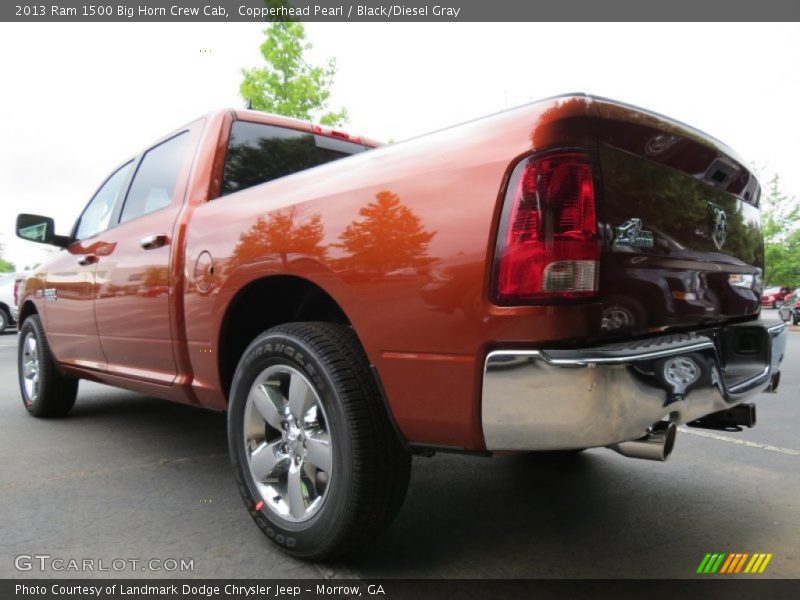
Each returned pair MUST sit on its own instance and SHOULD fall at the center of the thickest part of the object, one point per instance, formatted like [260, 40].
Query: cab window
[258, 153]
[97, 215]
[153, 185]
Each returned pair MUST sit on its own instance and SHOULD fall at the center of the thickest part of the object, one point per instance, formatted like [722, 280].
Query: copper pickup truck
[569, 274]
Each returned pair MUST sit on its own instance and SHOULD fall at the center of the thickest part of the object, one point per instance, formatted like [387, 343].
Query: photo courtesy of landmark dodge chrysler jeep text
[569, 274]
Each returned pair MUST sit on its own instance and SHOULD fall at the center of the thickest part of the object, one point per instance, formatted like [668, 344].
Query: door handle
[87, 259]
[151, 242]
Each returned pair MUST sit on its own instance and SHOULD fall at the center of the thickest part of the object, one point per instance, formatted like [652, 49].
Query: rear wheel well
[25, 311]
[263, 304]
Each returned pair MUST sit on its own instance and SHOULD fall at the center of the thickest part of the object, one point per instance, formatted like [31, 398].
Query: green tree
[781, 225]
[5, 266]
[287, 84]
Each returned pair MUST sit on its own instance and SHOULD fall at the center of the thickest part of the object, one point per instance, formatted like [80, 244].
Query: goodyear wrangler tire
[45, 391]
[317, 460]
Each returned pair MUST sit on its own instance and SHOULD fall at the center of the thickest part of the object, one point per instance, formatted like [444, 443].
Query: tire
[795, 320]
[621, 313]
[5, 319]
[299, 389]
[45, 391]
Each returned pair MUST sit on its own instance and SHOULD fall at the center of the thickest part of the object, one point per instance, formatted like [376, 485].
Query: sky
[76, 100]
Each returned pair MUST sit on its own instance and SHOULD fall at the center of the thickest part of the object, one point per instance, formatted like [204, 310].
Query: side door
[135, 287]
[70, 280]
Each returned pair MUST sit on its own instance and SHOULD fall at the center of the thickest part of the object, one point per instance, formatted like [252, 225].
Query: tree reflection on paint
[388, 236]
[283, 233]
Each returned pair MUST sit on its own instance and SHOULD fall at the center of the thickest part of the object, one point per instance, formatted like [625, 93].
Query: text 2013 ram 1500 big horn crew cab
[569, 274]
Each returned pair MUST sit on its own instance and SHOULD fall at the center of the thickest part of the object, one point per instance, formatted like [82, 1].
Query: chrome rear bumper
[583, 398]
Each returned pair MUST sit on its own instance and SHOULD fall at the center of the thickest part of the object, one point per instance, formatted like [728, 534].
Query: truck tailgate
[682, 240]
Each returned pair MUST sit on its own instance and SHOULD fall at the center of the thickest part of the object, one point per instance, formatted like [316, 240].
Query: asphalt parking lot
[125, 476]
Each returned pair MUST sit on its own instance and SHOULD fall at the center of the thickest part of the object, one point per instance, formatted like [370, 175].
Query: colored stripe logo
[734, 563]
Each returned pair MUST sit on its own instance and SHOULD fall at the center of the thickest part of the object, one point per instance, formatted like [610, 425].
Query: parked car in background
[773, 297]
[8, 299]
[790, 310]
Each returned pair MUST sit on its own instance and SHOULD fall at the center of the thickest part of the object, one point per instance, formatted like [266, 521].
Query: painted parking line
[741, 442]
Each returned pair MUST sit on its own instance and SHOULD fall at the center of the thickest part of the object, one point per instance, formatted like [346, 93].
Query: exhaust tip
[656, 445]
[669, 439]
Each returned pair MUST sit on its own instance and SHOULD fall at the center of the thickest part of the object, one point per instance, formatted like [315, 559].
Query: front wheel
[45, 391]
[317, 461]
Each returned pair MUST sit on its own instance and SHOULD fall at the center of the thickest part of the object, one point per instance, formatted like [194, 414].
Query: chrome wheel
[288, 443]
[681, 371]
[30, 367]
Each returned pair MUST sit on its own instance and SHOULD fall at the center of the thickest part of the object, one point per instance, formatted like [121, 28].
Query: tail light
[16, 291]
[547, 247]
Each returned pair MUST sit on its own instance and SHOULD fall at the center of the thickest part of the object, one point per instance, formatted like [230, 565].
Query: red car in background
[773, 297]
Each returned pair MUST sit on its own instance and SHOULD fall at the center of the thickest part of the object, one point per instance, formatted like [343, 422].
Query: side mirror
[36, 228]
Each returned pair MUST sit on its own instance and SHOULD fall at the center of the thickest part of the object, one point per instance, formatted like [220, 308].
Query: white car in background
[8, 299]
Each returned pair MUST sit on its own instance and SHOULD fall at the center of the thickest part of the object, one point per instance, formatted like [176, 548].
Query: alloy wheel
[288, 443]
[30, 367]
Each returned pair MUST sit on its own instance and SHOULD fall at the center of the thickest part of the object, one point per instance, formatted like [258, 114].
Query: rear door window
[258, 153]
[153, 185]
